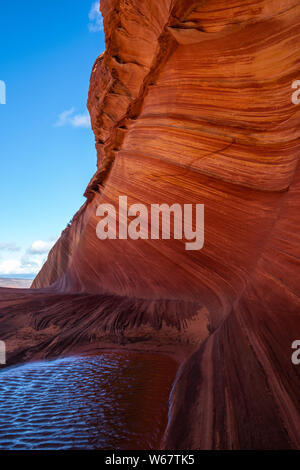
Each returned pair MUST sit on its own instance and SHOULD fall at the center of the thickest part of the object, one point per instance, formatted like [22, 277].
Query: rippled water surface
[111, 401]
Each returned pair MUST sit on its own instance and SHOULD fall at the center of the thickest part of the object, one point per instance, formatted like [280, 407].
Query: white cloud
[81, 120]
[9, 247]
[40, 247]
[64, 117]
[31, 261]
[68, 118]
[14, 266]
[95, 17]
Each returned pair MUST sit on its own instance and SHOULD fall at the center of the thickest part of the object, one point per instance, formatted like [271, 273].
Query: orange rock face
[191, 103]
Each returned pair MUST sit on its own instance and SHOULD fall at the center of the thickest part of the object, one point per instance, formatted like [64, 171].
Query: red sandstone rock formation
[191, 103]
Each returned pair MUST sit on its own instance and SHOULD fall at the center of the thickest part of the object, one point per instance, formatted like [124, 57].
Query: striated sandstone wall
[191, 102]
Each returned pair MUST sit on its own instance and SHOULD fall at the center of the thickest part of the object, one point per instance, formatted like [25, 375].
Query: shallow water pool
[109, 401]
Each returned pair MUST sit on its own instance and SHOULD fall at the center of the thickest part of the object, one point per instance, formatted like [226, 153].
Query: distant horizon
[26, 277]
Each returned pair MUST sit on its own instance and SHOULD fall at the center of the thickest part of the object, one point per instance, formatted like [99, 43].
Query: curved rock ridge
[190, 103]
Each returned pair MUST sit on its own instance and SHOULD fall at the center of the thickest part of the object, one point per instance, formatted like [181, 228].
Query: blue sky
[46, 145]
